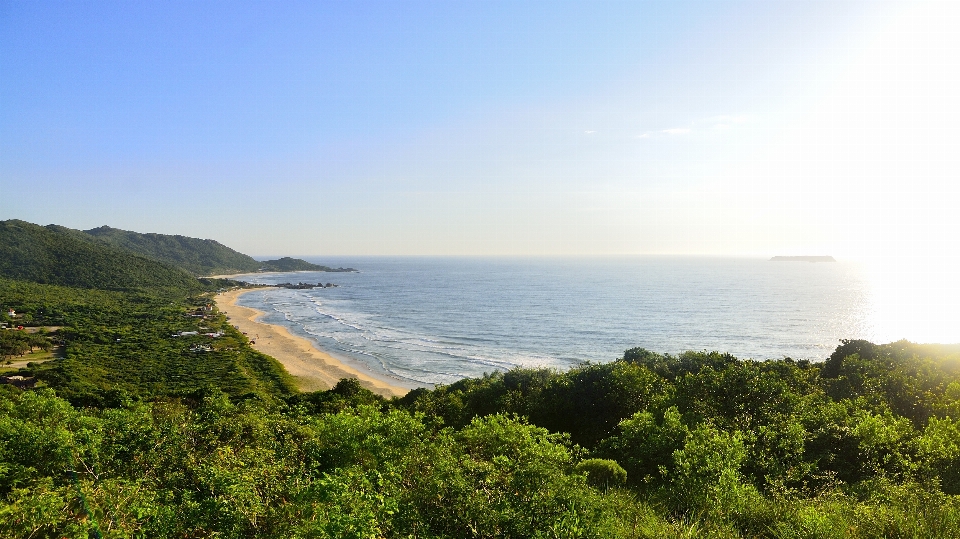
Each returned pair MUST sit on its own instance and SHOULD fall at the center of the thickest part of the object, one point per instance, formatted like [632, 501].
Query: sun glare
[915, 300]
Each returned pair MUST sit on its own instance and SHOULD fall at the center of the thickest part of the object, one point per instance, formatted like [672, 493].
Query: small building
[18, 381]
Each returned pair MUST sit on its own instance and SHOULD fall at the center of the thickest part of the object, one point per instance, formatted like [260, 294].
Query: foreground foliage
[204, 465]
[144, 428]
[170, 469]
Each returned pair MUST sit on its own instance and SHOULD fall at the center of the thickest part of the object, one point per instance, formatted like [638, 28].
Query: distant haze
[488, 128]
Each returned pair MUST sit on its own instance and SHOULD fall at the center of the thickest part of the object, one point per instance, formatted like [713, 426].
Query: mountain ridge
[58, 255]
[112, 258]
[197, 256]
[200, 257]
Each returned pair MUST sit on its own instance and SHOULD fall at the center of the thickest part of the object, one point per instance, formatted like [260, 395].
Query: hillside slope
[61, 256]
[197, 256]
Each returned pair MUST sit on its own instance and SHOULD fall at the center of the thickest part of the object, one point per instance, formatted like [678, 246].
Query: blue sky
[489, 128]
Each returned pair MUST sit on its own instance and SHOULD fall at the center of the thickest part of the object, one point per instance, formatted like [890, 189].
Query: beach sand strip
[312, 368]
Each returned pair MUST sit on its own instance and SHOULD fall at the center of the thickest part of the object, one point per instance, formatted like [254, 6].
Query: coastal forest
[151, 416]
[98, 257]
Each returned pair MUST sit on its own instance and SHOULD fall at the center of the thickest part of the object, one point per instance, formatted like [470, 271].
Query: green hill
[61, 256]
[199, 257]
[58, 255]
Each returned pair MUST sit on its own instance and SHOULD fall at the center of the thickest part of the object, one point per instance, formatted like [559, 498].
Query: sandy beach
[312, 368]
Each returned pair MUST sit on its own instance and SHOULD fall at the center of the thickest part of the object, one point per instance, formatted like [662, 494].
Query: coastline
[312, 368]
[232, 275]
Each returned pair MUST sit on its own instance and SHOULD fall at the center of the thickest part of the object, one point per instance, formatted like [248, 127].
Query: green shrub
[602, 473]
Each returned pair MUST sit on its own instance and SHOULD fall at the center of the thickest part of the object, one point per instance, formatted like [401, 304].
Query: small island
[802, 259]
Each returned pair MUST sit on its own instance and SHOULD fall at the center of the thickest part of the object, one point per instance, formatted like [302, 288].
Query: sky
[491, 128]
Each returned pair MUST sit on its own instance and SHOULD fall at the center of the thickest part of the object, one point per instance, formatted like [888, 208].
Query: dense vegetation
[112, 259]
[146, 437]
[157, 419]
[700, 445]
[123, 343]
[56, 255]
[18, 343]
[196, 256]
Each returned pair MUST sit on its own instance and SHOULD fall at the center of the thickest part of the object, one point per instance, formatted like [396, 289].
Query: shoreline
[312, 368]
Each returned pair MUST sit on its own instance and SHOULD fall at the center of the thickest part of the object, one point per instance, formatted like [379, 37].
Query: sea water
[429, 321]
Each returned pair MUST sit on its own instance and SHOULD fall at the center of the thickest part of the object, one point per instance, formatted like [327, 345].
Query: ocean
[430, 321]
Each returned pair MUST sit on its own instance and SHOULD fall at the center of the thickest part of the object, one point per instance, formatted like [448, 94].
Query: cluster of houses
[6, 325]
[196, 348]
[214, 335]
[201, 312]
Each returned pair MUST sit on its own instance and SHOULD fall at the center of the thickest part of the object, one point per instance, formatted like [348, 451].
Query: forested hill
[197, 256]
[61, 256]
[52, 254]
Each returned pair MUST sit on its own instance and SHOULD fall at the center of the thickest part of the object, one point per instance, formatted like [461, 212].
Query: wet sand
[312, 368]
